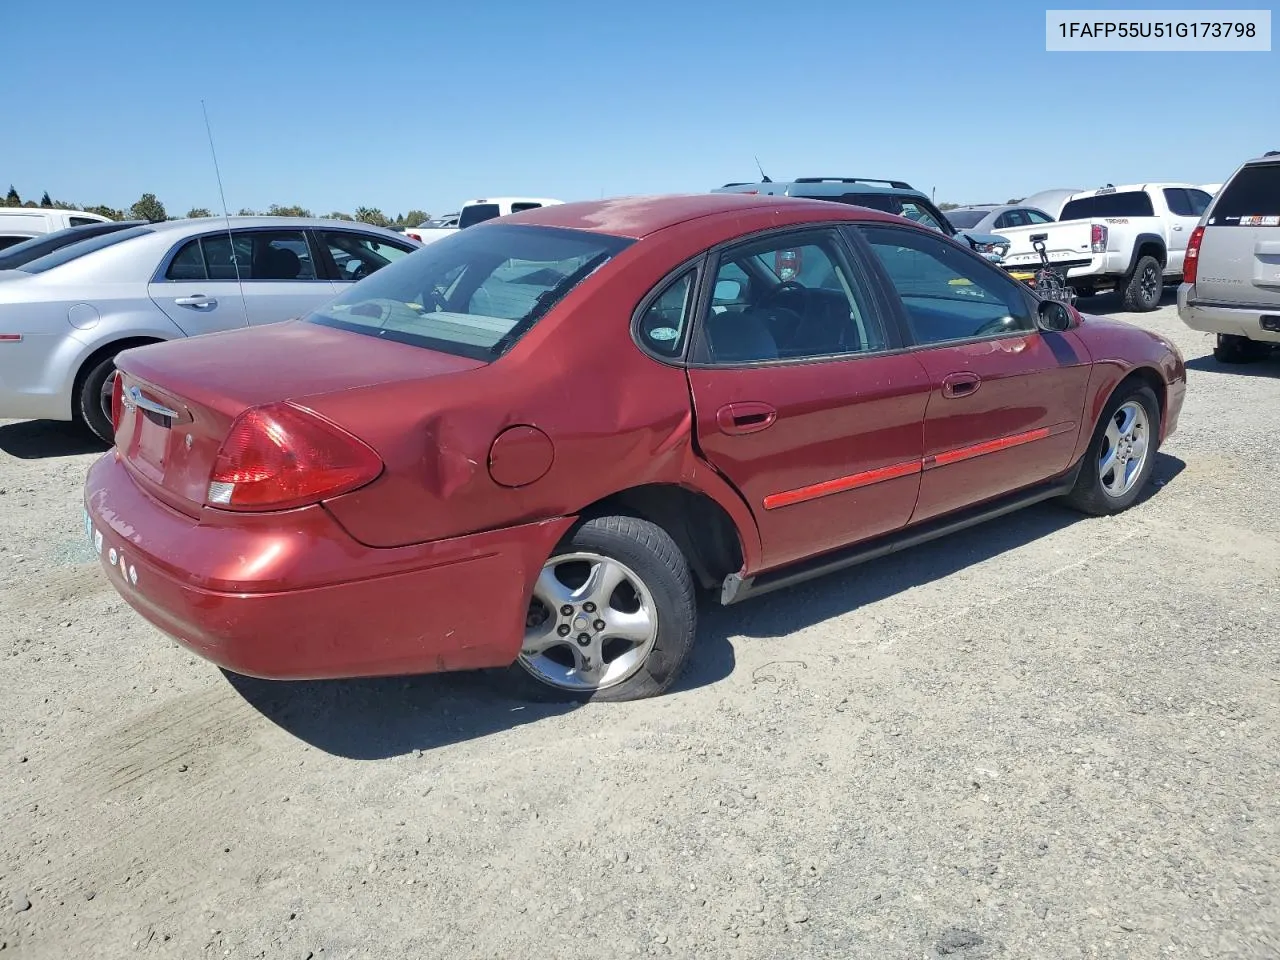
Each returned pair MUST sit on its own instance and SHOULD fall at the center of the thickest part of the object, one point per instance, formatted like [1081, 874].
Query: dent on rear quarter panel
[616, 419]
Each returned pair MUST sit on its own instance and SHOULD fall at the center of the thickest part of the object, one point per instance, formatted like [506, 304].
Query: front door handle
[960, 384]
[750, 416]
[197, 300]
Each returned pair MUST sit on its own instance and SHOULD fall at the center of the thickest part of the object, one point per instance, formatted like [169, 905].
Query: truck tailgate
[1065, 241]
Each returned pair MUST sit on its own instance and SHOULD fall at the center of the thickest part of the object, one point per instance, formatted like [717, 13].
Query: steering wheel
[998, 325]
[785, 291]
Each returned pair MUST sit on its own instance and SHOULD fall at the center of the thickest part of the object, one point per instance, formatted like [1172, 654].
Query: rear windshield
[29, 250]
[1252, 194]
[478, 213]
[1131, 203]
[474, 293]
[76, 250]
[964, 219]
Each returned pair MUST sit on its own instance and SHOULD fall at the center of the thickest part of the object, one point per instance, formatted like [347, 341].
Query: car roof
[201, 224]
[824, 187]
[1271, 156]
[640, 216]
[1130, 188]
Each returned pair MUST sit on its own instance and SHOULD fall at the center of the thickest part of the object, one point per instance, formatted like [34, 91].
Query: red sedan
[528, 444]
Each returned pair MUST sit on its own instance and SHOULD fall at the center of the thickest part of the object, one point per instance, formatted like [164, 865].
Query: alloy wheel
[1125, 448]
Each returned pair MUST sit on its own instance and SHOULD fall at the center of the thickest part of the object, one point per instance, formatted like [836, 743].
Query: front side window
[356, 255]
[788, 298]
[473, 294]
[947, 294]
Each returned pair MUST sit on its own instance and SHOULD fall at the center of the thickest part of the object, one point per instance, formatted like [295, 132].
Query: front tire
[93, 399]
[1144, 289]
[612, 618]
[1122, 454]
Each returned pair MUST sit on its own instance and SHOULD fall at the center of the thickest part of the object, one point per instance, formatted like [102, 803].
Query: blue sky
[333, 105]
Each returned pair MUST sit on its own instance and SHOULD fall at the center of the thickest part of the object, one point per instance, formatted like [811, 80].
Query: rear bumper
[291, 596]
[1240, 321]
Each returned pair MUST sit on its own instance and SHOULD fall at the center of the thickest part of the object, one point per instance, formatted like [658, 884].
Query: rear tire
[1128, 433]
[1231, 348]
[1145, 287]
[93, 399]
[626, 638]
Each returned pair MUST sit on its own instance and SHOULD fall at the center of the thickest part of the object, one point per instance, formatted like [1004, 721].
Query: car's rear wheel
[1231, 348]
[612, 616]
[1143, 291]
[1121, 455]
[93, 398]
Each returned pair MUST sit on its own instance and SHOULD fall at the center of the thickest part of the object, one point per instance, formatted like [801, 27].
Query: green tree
[339, 216]
[12, 200]
[148, 208]
[246, 212]
[111, 213]
[1019, 200]
[45, 200]
[372, 215]
[275, 210]
[412, 218]
[196, 212]
[944, 207]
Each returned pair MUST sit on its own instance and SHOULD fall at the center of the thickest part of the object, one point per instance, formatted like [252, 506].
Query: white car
[65, 316]
[478, 211]
[18, 224]
[1126, 239]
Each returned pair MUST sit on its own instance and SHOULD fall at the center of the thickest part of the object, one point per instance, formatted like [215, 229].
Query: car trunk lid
[179, 399]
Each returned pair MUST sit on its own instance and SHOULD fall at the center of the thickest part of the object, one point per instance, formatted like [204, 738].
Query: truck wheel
[1235, 349]
[1143, 290]
[612, 616]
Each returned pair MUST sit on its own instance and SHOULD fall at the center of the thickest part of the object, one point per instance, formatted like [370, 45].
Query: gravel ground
[1049, 737]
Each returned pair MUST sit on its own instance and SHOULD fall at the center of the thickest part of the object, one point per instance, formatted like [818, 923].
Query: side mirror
[727, 290]
[1054, 316]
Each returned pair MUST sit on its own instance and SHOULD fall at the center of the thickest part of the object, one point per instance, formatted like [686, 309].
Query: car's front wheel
[1121, 455]
[612, 616]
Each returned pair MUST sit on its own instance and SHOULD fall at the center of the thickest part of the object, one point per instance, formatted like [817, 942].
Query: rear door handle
[960, 384]
[750, 416]
[198, 300]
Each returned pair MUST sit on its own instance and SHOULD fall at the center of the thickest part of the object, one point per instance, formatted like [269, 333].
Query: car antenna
[764, 177]
[226, 214]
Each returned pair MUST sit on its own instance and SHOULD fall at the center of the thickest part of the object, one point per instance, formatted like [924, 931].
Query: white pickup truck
[1127, 239]
[478, 211]
[23, 223]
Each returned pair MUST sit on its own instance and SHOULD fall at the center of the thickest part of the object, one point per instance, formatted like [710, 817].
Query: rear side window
[517, 207]
[76, 250]
[478, 213]
[1130, 203]
[83, 221]
[1252, 194]
[473, 294]
[260, 255]
[665, 322]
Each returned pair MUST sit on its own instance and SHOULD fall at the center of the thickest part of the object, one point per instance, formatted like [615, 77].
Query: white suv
[1231, 274]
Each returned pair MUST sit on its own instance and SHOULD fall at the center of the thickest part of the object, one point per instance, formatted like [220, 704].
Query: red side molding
[839, 485]
[987, 446]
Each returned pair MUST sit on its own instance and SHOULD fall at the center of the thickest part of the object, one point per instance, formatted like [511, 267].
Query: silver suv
[1231, 274]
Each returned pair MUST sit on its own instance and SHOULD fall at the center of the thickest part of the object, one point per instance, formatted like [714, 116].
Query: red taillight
[1098, 238]
[280, 456]
[117, 402]
[1191, 261]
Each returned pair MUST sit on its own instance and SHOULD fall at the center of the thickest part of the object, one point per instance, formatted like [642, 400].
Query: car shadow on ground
[382, 718]
[1105, 304]
[44, 439]
[1266, 367]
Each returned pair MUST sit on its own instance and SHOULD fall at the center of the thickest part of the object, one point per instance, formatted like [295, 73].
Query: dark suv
[891, 196]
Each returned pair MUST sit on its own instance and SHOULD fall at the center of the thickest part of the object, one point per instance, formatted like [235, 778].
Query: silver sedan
[65, 316]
